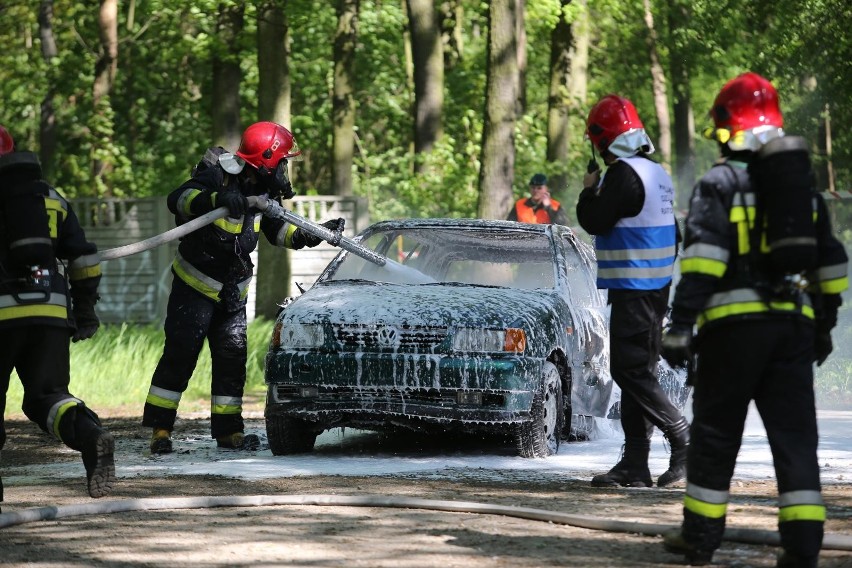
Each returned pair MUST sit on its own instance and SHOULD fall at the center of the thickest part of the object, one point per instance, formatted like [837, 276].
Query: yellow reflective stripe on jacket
[196, 279]
[744, 301]
[230, 225]
[742, 214]
[703, 258]
[226, 405]
[832, 279]
[186, 198]
[203, 283]
[163, 398]
[801, 505]
[56, 211]
[86, 266]
[284, 238]
[55, 307]
[56, 412]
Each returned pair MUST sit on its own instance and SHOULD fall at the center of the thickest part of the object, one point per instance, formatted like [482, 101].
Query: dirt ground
[321, 536]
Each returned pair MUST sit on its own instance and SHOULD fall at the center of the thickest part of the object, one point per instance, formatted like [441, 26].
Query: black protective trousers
[190, 318]
[40, 355]
[769, 361]
[636, 324]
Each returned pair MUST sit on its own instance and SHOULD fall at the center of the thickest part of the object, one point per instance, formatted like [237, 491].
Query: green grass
[112, 371]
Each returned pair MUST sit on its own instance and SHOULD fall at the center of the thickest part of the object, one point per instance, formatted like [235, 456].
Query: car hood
[432, 305]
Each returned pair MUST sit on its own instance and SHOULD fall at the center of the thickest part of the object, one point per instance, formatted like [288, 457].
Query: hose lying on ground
[749, 536]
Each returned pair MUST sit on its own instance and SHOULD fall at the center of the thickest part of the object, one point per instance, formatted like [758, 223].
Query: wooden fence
[135, 288]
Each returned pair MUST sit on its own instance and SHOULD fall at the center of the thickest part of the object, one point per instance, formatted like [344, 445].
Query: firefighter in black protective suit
[630, 212]
[758, 332]
[41, 242]
[212, 271]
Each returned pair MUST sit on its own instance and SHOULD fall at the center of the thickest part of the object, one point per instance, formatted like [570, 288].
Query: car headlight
[297, 335]
[511, 340]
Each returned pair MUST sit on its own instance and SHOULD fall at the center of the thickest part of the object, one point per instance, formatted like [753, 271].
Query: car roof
[436, 222]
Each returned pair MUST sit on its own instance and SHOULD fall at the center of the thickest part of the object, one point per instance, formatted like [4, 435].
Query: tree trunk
[497, 171]
[273, 104]
[47, 123]
[273, 62]
[569, 55]
[521, 42]
[227, 77]
[428, 57]
[105, 69]
[343, 100]
[452, 22]
[684, 120]
[661, 101]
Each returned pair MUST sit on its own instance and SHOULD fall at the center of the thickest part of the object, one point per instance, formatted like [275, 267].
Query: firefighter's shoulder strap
[210, 159]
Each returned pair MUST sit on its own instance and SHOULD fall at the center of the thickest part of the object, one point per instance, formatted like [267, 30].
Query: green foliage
[113, 369]
[157, 121]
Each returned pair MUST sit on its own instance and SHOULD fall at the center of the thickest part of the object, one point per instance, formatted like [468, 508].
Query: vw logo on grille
[388, 337]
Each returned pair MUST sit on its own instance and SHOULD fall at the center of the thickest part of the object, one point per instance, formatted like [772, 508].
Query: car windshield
[480, 256]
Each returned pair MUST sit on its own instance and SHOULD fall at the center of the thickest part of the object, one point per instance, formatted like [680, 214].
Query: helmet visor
[295, 153]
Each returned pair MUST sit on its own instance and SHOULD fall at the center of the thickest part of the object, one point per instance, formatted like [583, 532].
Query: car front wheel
[539, 437]
[289, 435]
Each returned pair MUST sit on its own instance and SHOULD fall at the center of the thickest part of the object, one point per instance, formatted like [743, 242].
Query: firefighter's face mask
[277, 182]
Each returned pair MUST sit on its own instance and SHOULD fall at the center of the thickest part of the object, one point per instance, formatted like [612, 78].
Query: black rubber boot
[790, 560]
[678, 437]
[674, 542]
[632, 468]
[239, 441]
[161, 441]
[97, 446]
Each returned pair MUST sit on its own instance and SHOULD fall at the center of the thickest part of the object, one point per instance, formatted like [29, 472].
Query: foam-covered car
[470, 325]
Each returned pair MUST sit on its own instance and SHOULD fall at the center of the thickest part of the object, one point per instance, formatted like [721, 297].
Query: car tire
[289, 435]
[539, 437]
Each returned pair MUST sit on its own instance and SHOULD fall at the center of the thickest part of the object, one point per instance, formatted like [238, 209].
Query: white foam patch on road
[359, 453]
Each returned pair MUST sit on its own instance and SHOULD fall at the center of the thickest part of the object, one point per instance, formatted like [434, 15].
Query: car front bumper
[431, 388]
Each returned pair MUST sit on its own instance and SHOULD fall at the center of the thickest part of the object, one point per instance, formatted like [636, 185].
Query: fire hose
[267, 207]
[748, 536]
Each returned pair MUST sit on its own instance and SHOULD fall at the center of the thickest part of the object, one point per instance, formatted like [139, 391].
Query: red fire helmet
[264, 144]
[745, 102]
[7, 143]
[614, 125]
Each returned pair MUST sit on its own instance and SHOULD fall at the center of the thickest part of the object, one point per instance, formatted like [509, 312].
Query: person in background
[212, 271]
[759, 332]
[39, 234]
[630, 212]
[538, 207]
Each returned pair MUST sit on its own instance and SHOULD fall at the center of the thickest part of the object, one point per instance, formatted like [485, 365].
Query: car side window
[579, 275]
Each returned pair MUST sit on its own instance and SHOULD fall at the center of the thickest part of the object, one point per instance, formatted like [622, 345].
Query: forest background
[428, 108]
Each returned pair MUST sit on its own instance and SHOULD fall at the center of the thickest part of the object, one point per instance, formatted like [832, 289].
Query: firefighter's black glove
[822, 347]
[85, 318]
[677, 346]
[825, 322]
[310, 241]
[235, 201]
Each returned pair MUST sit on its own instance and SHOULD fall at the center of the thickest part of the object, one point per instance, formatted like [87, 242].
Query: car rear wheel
[539, 437]
[289, 435]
